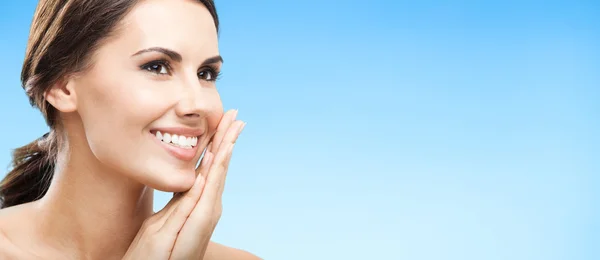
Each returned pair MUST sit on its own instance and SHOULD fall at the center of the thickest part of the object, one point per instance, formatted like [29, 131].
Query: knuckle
[155, 241]
[186, 202]
[215, 220]
[218, 182]
[147, 223]
[218, 212]
[161, 239]
[205, 213]
[151, 225]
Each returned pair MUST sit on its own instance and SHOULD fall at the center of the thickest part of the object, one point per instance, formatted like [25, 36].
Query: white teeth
[177, 140]
[182, 141]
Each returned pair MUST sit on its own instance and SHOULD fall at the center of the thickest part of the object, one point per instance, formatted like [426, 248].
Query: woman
[128, 90]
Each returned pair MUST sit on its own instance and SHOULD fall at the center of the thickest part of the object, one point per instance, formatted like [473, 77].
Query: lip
[179, 131]
[179, 153]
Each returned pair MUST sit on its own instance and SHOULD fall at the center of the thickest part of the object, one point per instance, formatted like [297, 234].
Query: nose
[196, 102]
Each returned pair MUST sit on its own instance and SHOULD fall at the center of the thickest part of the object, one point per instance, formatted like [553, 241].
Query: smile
[182, 141]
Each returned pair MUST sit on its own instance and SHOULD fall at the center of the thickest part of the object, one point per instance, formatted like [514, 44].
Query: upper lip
[185, 131]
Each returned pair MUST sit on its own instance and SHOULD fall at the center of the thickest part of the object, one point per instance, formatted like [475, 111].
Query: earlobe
[62, 96]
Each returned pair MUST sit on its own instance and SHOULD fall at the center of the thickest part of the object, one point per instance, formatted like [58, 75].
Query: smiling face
[155, 74]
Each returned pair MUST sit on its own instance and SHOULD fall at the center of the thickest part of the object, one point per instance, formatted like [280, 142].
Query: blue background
[395, 129]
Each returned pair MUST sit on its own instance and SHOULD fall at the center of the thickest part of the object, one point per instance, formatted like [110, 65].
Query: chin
[149, 166]
[170, 179]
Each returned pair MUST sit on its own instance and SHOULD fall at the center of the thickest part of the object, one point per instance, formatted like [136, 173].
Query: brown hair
[63, 35]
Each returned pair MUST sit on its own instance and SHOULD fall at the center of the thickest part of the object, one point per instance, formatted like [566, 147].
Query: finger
[224, 125]
[218, 170]
[230, 137]
[202, 215]
[205, 164]
[180, 213]
[205, 143]
[221, 187]
[201, 173]
[172, 204]
[167, 209]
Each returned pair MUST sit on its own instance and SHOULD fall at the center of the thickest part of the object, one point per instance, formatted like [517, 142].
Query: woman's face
[156, 74]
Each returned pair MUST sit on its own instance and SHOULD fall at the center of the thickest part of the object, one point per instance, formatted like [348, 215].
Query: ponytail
[31, 173]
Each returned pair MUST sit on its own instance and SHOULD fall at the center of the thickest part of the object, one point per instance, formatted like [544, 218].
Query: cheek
[121, 107]
[115, 112]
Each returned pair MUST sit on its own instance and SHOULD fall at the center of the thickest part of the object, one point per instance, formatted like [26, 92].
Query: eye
[208, 74]
[159, 67]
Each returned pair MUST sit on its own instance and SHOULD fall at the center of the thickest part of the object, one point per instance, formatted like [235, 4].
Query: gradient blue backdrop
[395, 129]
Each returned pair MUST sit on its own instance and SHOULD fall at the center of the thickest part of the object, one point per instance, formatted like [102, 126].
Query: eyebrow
[176, 56]
[172, 54]
[212, 60]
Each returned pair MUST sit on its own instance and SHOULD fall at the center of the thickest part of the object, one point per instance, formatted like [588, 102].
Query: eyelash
[215, 74]
[158, 64]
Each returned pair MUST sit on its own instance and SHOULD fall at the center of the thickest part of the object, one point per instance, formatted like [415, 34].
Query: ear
[62, 95]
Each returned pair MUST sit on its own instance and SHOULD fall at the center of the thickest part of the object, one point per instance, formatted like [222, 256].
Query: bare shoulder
[9, 222]
[11, 218]
[8, 250]
[216, 251]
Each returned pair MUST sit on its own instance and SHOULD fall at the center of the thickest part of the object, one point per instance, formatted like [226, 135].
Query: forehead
[185, 26]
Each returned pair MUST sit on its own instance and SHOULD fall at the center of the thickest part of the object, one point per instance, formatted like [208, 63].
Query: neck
[95, 211]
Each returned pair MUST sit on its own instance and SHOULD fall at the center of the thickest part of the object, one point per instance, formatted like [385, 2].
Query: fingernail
[235, 113]
[206, 159]
[242, 128]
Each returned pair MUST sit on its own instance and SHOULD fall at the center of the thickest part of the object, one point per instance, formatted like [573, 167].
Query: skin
[102, 190]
